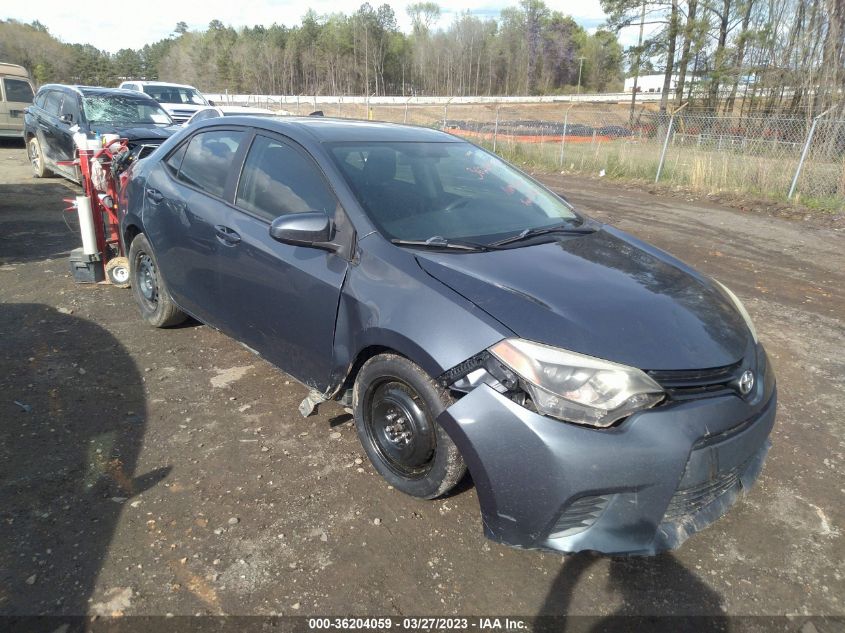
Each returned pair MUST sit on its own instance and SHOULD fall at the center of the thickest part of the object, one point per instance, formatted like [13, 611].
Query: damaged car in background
[602, 394]
[58, 112]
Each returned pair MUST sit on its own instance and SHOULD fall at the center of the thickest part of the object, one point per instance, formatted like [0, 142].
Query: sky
[105, 25]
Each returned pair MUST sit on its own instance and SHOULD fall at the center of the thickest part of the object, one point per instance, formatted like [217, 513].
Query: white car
[180, 101]
[231, 110]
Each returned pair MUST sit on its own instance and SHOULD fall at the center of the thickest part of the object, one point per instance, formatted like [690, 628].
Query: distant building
[652, 83]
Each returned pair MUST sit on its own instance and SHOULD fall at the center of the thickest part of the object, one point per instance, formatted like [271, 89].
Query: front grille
[696, 383]
[580, 515]
[690, 500]
[141, 149]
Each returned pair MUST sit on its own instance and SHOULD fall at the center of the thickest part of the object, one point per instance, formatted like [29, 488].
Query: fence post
[445, 111]
[496, 127]
[666, 141]
[565, 128]
[804, 153]
[406, 109]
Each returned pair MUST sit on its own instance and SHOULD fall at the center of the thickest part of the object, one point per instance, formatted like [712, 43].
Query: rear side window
[209, 159]
[18, 90]
[174, 161]
[53, 102]
[278, 180]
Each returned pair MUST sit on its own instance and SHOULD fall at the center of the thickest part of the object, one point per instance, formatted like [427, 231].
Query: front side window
[18, 91]
[175, 95]
[124, 110]
[452, 190]
[209, 159]
[70, 106]
[278, 180]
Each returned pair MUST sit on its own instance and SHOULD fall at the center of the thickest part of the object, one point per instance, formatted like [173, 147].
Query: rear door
[282, 299]
[184, 208]
[64, 147]
[48, 122]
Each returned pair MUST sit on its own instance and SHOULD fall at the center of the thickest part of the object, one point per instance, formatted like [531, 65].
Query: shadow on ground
[32, 236]
[64, 477]
[646, 591]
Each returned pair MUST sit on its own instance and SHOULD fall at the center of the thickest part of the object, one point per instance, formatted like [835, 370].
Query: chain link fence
[771, 156]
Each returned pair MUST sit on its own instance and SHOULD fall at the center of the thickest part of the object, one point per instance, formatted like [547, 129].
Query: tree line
[529, 49]
[740, 56]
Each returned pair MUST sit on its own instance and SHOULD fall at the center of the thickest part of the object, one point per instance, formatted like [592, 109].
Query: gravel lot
[170, 472]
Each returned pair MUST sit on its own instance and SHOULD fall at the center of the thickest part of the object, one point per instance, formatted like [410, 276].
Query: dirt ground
[155, 472]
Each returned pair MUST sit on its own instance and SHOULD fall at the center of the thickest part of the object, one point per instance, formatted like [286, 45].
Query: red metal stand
[103, 203]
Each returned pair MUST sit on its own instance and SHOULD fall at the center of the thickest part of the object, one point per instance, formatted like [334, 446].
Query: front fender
[389, 301]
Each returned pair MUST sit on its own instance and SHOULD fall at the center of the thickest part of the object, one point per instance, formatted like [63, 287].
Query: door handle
[227, 235]
[155, 195]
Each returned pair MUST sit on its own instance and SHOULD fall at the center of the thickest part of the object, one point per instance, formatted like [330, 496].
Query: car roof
[330, 130]
[96, 91]
[157, 83]
[13, 70]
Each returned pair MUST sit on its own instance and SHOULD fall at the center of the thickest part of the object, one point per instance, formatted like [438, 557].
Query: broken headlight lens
[574, 387]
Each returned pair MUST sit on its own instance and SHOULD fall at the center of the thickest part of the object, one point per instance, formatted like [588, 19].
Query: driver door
[282, 299]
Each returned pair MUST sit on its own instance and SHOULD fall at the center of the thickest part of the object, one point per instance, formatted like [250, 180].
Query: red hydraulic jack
[101, 258]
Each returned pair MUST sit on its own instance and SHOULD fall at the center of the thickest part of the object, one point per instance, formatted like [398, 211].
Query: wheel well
[129, 234]
[363, 356]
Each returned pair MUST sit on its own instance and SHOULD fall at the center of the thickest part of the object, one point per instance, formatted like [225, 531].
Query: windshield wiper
[438, 241]
[529, 233]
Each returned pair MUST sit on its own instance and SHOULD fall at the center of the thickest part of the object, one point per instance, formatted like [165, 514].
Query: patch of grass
[710, 171]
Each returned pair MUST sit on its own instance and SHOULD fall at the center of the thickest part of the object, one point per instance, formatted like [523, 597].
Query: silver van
[15, 95]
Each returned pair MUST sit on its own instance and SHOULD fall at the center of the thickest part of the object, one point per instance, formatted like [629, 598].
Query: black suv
[59, 111]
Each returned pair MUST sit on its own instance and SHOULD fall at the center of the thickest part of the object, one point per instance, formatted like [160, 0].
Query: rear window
[18, 90]
[209, 159]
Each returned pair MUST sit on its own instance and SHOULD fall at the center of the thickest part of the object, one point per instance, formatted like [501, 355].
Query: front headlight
[740, 308]
[574, 387]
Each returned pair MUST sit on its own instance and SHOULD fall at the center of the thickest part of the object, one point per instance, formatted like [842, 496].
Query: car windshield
[175, 94]
[449, 190]
[124, 110]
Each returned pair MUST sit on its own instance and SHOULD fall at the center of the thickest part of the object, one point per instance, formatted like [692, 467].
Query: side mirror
[210, 102]
[312, 228]
[66, 118]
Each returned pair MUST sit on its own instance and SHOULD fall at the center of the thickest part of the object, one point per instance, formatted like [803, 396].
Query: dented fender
[388, 301]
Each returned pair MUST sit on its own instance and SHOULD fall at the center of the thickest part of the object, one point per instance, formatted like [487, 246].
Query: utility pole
[580, 68]
[637, 66]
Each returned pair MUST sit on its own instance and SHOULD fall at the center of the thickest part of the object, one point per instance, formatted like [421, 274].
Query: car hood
[605, 294]
[135, 132]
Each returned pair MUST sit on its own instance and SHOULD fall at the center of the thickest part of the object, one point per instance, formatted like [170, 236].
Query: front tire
[149, 288]
[396, 405]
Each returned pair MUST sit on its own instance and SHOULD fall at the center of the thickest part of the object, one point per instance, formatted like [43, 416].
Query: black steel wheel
[396, 404]
[157, 308]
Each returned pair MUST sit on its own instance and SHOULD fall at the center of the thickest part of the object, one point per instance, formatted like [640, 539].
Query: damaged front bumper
[639, 488]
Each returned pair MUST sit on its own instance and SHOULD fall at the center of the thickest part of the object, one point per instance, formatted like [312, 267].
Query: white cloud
[112, 27]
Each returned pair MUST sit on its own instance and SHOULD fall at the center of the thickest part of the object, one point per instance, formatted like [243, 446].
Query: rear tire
[36, 158]
[396, 405]
[148, 286]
